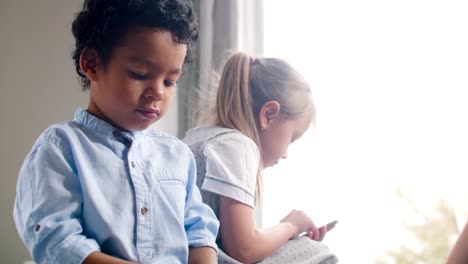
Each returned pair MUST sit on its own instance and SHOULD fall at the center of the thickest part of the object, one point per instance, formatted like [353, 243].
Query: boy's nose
[155, 91]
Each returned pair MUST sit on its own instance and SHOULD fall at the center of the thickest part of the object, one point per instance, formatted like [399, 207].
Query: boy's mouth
[149, 113]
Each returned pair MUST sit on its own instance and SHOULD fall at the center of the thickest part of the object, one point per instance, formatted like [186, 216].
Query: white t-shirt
[231, 162]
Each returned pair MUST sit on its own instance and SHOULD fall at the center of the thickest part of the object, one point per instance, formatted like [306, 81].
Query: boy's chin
[138, 127]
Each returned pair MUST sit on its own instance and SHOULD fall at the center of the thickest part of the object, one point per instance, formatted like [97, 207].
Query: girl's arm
[459, 253]
[247, 244]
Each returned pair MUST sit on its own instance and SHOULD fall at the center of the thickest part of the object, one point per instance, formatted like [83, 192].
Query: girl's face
[277, 136]
[134, 90]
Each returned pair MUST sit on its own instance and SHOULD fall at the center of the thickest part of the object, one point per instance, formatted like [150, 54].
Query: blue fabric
[86, 186]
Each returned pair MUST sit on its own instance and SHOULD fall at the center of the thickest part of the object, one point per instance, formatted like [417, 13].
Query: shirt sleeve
[231, 167]
[200, 222]
[47, 209]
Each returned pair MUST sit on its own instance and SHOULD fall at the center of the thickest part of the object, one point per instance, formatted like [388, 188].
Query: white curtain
[225, 25]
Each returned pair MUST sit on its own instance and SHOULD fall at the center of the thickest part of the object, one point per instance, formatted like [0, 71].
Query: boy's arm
[202, 255]
[201, 224]
[101, 258]
[48, 207]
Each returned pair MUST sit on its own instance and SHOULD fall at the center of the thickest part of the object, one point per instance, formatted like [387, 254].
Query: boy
[103, 188]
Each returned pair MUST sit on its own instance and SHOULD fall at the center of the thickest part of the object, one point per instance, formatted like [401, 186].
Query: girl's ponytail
[247, 84]
[234, 103]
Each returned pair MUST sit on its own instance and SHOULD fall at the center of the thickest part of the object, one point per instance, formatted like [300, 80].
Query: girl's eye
[170, 83]
[137, 76]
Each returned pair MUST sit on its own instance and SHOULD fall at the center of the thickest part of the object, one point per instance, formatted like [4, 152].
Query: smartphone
[331, 225]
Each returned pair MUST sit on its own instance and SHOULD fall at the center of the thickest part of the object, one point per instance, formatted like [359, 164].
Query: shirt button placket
[144, 241]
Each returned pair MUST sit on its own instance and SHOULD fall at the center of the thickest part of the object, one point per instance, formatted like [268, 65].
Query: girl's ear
[269, 112]
[89, 63]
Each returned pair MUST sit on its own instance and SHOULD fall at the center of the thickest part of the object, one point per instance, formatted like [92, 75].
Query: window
[390, 81]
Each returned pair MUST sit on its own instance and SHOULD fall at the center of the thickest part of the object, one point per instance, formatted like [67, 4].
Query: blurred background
[388, 155]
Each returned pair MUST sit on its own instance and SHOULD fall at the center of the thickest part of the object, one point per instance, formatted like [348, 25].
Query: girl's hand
[317, 233]
[303, 223]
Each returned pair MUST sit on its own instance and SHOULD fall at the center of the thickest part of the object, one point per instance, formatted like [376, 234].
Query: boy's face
[136, 87]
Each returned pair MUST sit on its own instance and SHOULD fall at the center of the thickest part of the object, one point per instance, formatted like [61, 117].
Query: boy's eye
[170, 83]
[138, 76]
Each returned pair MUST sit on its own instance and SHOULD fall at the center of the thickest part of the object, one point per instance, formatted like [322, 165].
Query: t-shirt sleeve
[231, 167]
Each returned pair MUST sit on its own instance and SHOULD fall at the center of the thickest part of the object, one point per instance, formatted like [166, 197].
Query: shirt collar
[83, 118]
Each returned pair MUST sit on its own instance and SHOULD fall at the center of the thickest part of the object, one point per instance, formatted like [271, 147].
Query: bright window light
[390, 81]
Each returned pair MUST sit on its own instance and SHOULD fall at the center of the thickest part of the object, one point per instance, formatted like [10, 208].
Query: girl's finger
[316, 234]
[322, 232]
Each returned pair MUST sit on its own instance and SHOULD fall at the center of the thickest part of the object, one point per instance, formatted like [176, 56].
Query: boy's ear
[269, 112]
[90, 63]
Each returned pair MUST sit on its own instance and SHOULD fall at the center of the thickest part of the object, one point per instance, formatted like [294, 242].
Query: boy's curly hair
[101, 24]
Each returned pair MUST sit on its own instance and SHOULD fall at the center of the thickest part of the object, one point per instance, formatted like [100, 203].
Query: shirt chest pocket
[169, 191]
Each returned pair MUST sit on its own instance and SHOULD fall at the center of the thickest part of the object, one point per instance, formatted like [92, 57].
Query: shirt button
[144, 210]
[37, 227]
[116, 133]
[133, 164]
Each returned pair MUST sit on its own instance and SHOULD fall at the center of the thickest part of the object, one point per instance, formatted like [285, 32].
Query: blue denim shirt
[87, 186]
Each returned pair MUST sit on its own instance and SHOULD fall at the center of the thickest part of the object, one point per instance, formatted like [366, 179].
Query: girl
[262, 106]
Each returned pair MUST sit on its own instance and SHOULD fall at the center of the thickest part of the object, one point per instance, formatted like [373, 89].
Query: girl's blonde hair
[246, 84]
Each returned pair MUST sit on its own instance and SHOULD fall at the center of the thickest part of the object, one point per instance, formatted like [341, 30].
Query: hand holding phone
[321, 231]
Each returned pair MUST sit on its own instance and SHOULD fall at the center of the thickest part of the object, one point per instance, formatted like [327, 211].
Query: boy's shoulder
[151, 132]
[163, 138]
[57, 132]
